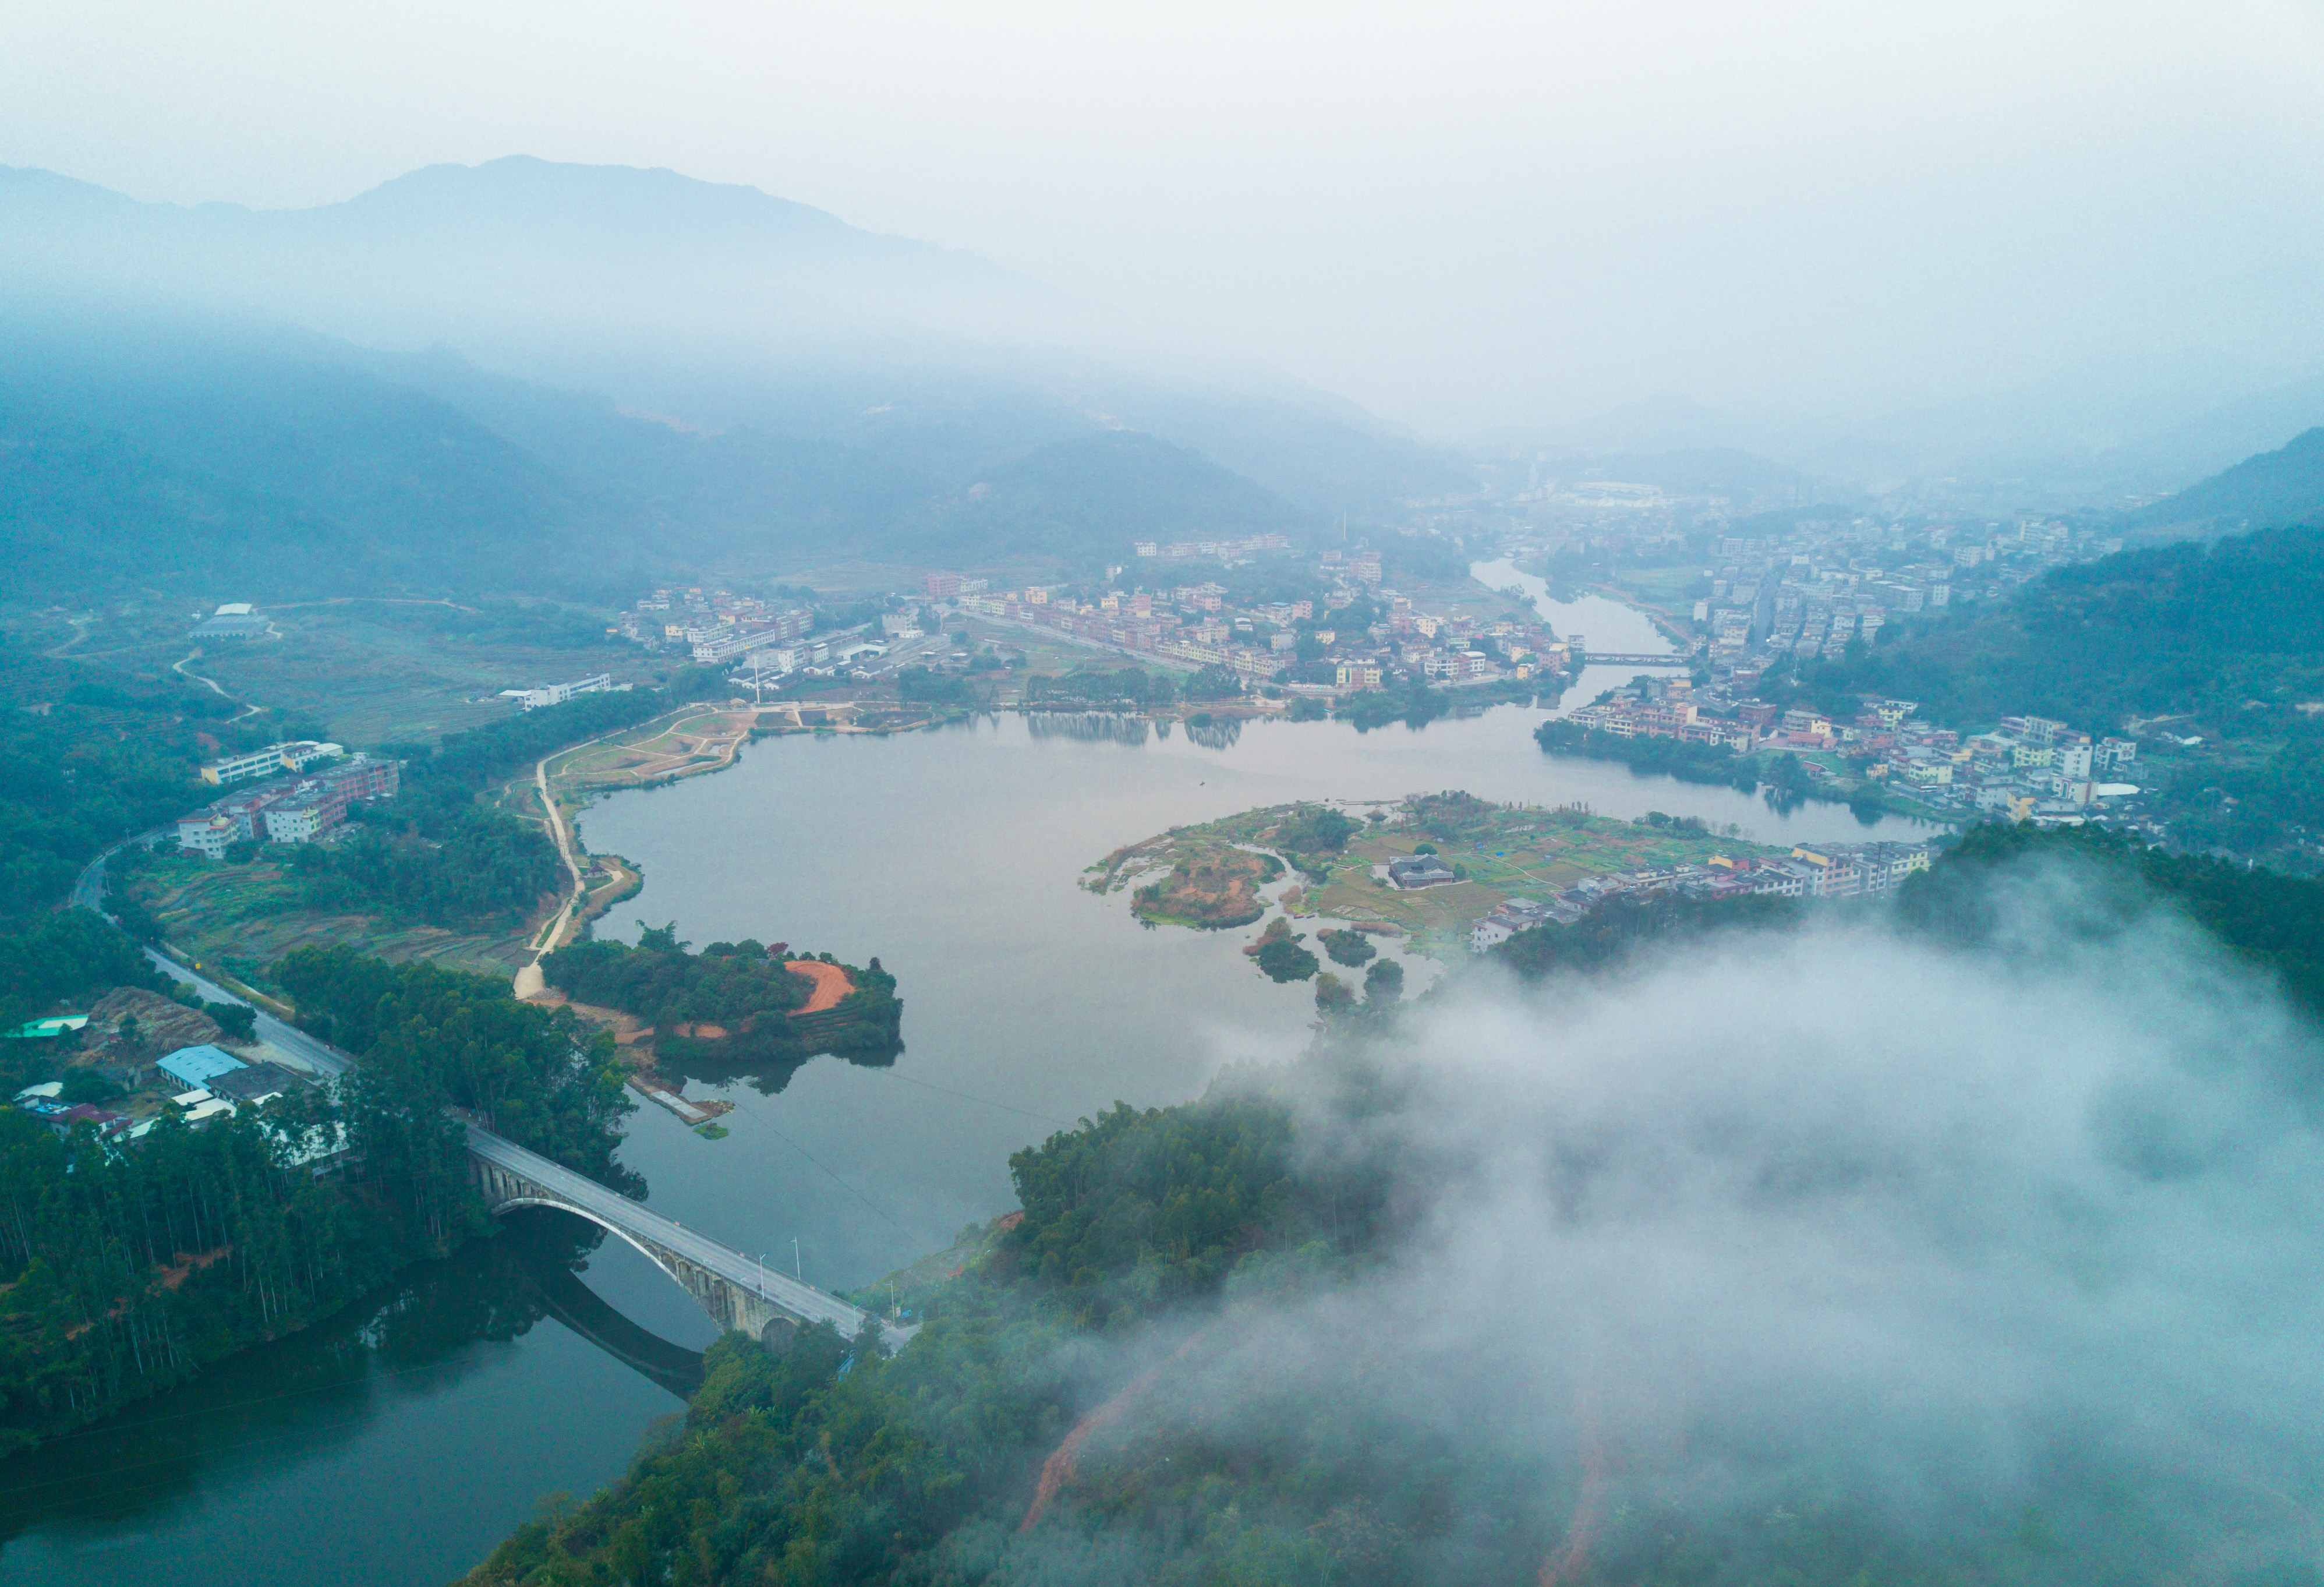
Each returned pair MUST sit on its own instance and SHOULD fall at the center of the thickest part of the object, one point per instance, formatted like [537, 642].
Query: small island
[735, 1010]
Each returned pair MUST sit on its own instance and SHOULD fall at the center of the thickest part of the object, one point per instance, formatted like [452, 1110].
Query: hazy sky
[1463, 215]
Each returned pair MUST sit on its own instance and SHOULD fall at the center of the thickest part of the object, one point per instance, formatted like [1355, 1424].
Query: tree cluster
[437, 1038]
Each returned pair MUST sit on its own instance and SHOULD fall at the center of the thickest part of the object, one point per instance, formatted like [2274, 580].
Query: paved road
[89, 893]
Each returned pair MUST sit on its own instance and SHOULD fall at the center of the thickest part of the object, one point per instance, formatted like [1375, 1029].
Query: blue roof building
[195, 1066]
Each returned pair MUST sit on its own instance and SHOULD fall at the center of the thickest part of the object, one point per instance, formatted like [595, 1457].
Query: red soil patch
[831, 985]
[1058, 1469]
[701, 1031]
[191, 1262]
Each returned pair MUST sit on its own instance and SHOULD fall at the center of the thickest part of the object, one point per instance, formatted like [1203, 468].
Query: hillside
[233, 459]
[1088, 499]
[2188, 627]
[2225, 639]
[2285, 486]
[212, 458]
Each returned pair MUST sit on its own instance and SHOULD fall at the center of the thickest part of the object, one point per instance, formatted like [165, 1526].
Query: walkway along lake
[397, 1443]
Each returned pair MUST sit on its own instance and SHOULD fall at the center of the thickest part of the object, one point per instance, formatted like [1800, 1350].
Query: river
[396, 1443]
[1607, 624]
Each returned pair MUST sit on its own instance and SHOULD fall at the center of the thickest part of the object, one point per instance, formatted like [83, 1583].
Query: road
[89, 893]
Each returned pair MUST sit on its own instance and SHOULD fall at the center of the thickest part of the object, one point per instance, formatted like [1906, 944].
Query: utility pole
[796, 1271]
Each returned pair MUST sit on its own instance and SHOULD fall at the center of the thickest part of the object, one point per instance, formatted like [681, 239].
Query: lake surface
[398, 1443]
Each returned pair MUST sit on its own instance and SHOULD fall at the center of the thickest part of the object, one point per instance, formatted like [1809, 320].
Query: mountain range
[587, 372]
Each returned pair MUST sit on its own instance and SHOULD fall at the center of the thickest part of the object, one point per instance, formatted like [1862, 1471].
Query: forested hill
[1090, 499]
[2285, 486]
[2188, 627]
[209, 458]
[227, 460]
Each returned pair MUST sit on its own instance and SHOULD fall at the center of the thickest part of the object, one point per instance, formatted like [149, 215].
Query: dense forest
[125, 1271]
[89, 756]
[479, 869]
[128, 1271]
[1715, 764]
[441, 1039]
[1776, 773]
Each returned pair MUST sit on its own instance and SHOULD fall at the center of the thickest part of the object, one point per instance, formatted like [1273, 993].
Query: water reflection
[130, 1498]
[765, 1069]
[1088, 726]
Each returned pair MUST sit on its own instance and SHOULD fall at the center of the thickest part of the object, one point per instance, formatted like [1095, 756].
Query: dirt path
[528, 982]
[1570, 1562]
[80, 632]
[180, 667]
[831, 985]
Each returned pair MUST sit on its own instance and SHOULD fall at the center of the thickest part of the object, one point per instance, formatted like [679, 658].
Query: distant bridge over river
[1620, 658]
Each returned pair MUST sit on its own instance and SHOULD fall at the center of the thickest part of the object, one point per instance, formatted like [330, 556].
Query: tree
[1384, 982]
[1285, 960]
[1215, 682]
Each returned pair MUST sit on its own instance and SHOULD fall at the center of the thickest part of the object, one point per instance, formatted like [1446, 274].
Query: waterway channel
[395, 1444]
[1606, 624]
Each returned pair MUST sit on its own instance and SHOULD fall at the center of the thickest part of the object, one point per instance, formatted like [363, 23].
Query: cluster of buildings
[293, 756]
[556, 693]
[1327, 652]
[1811, 591]
[2027, 768]
[1811, 871]
[1227, 551]
[295, 808]
[711, 626]
[233, 620]
[215, 1084]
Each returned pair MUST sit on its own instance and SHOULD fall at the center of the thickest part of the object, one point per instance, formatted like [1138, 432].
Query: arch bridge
[738, 1292]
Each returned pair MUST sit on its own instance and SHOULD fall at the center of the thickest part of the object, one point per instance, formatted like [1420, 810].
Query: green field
[366, 672]
[243, 917]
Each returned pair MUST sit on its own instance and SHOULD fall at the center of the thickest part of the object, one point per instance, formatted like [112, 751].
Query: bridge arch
[736, 1291]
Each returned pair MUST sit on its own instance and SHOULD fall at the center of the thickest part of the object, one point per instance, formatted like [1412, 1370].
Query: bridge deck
[803, 1300]
[1627, 658]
